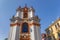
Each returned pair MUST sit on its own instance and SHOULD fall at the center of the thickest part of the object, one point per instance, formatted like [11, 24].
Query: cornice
[54, 23]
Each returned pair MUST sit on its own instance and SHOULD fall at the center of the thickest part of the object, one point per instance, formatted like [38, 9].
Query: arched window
[24, 27]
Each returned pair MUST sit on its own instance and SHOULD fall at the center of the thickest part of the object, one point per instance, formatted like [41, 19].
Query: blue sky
[47, 10]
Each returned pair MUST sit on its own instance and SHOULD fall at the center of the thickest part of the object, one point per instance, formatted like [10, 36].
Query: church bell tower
[24, 25]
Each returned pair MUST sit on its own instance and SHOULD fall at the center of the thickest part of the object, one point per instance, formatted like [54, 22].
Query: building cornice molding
[30, 24]
[14, 24]
[54, 23]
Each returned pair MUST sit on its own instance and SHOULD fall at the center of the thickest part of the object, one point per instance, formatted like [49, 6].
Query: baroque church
[25, 25]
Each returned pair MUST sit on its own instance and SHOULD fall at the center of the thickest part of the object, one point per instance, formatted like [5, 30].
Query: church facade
[25, 25]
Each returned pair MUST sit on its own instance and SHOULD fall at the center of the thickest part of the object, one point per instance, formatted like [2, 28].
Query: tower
[24, 25]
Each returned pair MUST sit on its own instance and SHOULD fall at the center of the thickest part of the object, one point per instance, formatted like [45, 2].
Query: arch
[25, 27]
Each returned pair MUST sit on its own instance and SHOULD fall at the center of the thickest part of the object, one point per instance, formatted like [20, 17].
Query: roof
[53, 23]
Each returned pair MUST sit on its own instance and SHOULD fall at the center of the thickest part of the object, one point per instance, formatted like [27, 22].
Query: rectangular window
[53, 38]
[59, 35]
[51, 30]
[58, 25]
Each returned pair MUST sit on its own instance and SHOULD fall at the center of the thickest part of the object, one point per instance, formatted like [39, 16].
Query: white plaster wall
[10, 33]
[30, 14]
[17, 14]
[14, 33]
[37, 33]
[17, 33]
[21, 15]
[32, 36]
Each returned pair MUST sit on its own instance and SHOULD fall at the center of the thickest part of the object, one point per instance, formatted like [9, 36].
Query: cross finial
[19, 6]
[25, 5]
